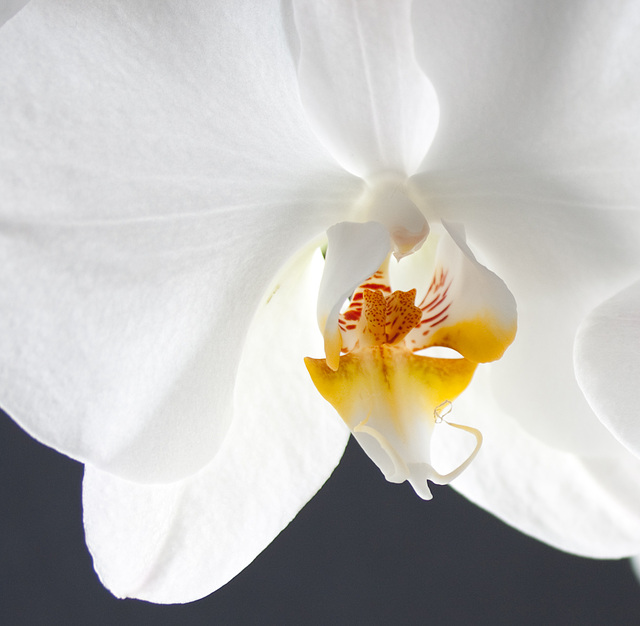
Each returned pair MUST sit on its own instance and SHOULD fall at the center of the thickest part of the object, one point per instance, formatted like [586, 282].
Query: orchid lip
[416, 473]
[389, 393]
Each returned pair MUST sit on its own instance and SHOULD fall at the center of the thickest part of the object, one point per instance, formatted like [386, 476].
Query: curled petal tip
[332, 347]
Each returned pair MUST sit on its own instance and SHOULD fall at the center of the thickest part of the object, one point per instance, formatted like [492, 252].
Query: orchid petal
[182, 541]
[367, 99]
[354, 252]
[518, 93]
[467, 307]
[588, 506]
[156, 171]
[554, 249]
[8, 8]
[607, 362]
[635, 566]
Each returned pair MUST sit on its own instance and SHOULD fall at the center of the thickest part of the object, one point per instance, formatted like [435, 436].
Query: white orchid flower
[167, 171]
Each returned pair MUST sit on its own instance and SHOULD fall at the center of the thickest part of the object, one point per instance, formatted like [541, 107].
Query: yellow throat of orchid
[391, 398]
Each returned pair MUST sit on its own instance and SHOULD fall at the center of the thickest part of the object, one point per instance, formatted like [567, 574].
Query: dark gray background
[362, 551]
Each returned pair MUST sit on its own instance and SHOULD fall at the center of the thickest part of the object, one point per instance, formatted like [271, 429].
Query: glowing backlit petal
[367, 99]
[508, 77]
[635, 566]
[8, 8]
[607, 363]
[561, 255]
[467, 307]
[587, 506]
[144, 209]
[180, 541]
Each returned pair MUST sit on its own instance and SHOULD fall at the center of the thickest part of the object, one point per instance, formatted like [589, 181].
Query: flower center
[383, 319]
[390, 397]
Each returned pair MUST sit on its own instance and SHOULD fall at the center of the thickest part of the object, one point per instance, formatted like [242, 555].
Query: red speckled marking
[402, 315]
[362, 322]
[434, 307]
[349, 319]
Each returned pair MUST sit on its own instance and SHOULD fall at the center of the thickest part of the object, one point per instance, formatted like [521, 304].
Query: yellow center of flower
[388, 392]
[388, 396]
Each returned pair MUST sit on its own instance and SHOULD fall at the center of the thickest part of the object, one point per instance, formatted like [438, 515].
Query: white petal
[539, 127]
[156, 171]
[467, 307]
[8, 8]
[145, 110]
[635, 566]
[560, 257]
[536, 85]
[368, 101]
[179, 542]
[607, 362]
[354, 252]
[523, 166]
[588, 506]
